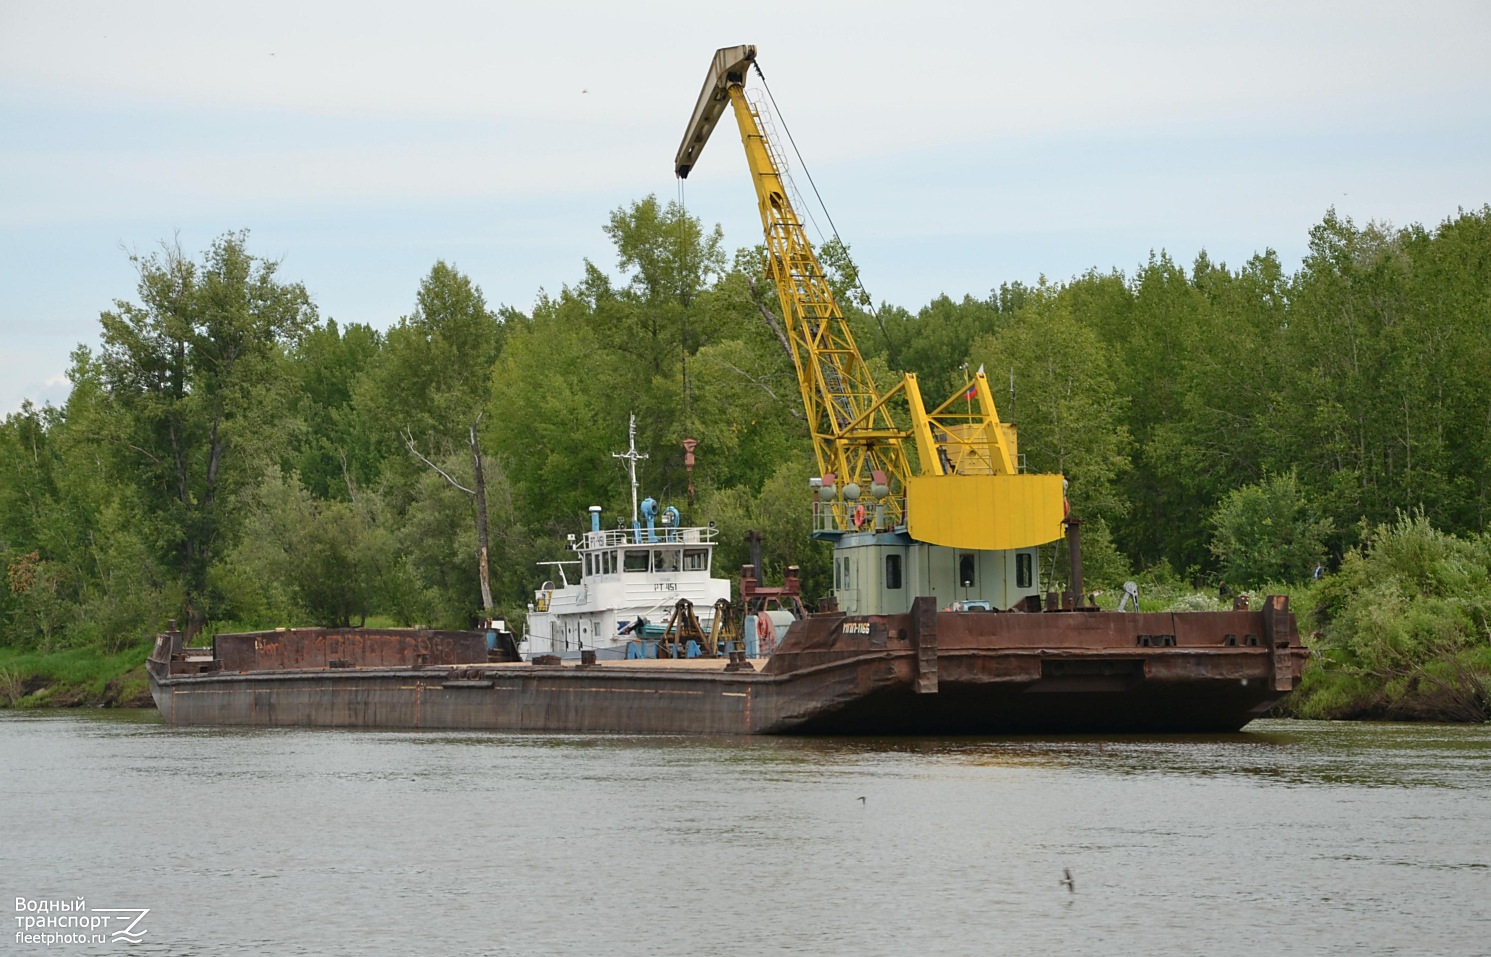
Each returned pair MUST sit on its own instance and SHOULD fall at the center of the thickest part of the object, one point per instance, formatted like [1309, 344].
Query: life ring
[765, 628]
[859, 516]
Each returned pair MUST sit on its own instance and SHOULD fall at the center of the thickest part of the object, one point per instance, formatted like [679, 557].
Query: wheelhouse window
[1024, 571]
[635, 560]
[892, 571]
[696, 559]
[966, 566]
[665, 560]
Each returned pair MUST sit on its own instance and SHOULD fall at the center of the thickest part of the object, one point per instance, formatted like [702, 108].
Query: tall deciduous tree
[1068, 407]
[432, 376]
[672, 259]
[1386, 329]
[190, 373]
[332, 452]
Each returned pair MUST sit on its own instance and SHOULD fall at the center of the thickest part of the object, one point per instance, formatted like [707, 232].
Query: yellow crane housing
[966, 492]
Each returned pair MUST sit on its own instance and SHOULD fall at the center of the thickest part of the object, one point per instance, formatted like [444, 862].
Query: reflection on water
[1312, 837]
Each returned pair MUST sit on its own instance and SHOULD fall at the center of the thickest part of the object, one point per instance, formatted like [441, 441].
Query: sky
[955, 145]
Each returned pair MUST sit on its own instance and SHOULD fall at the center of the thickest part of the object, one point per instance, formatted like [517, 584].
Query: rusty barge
[936, 622]
[925, 672]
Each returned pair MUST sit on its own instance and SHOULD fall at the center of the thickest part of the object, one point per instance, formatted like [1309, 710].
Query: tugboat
[629, 584]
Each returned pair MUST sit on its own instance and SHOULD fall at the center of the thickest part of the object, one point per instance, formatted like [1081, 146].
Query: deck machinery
[935, 507]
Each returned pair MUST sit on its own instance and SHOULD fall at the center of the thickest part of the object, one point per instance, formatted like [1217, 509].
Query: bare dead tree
[481, 521]
[480, 492]
[771, 320]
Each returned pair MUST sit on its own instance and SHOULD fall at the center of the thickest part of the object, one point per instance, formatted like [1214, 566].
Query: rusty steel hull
[925, 673]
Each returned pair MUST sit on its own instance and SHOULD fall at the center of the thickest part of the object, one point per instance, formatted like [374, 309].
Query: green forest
[230, 458]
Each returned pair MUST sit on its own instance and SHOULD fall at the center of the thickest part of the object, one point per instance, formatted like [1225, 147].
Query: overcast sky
[957, 145]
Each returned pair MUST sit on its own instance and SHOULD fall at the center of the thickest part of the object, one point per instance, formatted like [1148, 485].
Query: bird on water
[1067, 881]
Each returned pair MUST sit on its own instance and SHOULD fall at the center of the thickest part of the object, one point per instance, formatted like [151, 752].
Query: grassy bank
[74, 677]
[91, 677]
[1402, 631]
[1450, 688]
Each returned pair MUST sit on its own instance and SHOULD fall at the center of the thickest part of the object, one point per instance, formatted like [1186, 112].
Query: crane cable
[869, 303]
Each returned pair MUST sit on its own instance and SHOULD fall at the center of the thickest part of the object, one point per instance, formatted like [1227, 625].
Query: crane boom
[854, 435]
[968, 492]
[728, 62]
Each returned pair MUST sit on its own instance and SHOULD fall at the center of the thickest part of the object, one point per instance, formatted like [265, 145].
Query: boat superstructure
[627, 582]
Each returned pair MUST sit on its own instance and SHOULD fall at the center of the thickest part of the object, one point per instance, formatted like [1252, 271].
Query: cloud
[939, 72]
[95, 184]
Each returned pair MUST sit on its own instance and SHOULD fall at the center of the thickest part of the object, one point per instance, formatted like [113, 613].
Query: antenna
[631, 455]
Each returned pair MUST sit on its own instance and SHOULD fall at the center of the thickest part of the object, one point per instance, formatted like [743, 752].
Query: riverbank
[74, 678]
[1402, 630]
[1453, 688]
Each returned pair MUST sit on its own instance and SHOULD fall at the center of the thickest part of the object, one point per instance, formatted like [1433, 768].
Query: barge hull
[831, 702]
[511, 700]
[925, 673]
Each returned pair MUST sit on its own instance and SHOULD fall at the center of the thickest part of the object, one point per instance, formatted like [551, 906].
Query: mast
[632, 455]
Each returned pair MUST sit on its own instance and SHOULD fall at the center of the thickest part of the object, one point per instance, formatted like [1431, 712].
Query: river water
[1296, 837]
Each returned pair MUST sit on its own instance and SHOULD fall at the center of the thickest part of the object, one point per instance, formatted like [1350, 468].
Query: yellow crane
[966, 495]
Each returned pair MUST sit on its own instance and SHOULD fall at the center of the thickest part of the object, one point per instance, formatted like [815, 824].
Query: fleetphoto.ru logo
[49, 922]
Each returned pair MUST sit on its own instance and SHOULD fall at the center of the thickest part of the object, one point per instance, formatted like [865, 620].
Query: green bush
[1268, 532]
[1404, 628]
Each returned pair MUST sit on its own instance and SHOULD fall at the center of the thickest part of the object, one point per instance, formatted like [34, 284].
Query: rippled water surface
[1294, 837]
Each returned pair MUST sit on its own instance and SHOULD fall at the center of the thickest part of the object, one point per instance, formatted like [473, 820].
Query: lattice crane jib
[854, 434]
[968, 485]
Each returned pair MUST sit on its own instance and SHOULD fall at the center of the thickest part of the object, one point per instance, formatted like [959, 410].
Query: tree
[1390, 410]
[330, 561]
[1216, 429]
[1268, 532]
[559, 405]
[934, 342]
[672, 259]
[432, 376]
[190, 375]
[477, 491]
[332, 451]
[80, 568]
